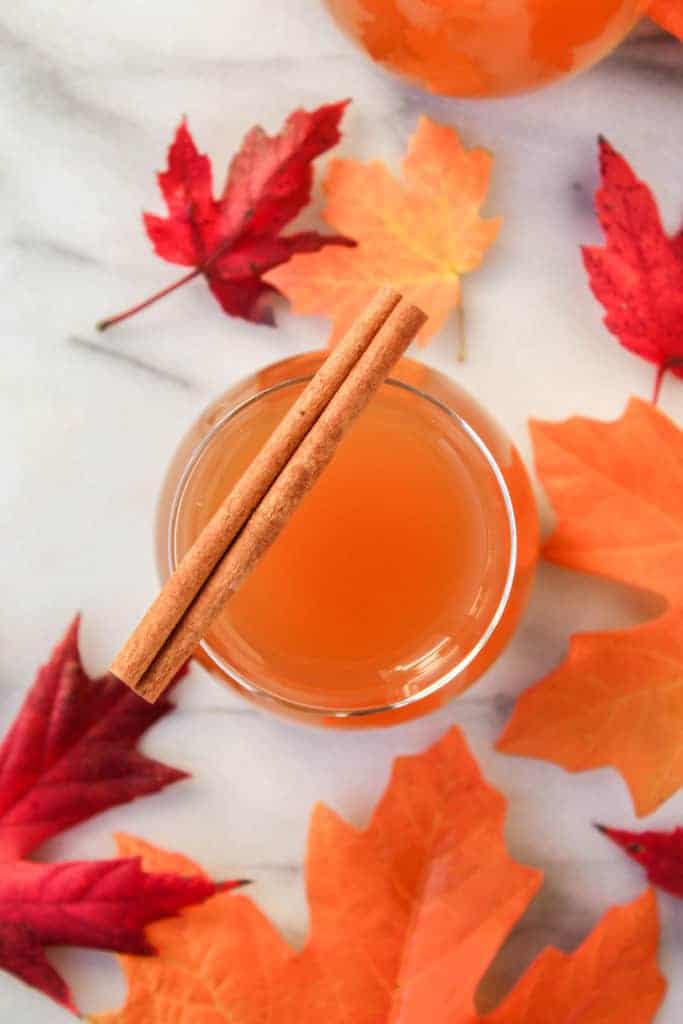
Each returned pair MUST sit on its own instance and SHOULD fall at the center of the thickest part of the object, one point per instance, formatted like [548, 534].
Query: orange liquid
[387, 574]
[486, 47]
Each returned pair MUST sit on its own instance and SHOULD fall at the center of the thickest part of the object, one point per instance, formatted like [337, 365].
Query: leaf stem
[102, 325]
[667, 364]
[201, 268]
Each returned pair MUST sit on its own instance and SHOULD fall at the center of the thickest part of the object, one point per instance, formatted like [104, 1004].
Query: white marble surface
[91, 94]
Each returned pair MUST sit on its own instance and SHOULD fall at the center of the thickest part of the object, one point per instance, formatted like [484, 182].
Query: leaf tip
[233, 883]
[604, 144]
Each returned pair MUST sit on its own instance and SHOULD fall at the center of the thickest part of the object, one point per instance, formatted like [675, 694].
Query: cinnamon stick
[183, 586]
[271, 514]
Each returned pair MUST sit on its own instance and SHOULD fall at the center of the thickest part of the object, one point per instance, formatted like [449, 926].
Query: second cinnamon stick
[294, 481]
[162, 617]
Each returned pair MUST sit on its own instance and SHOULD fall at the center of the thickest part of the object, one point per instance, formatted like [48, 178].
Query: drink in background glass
[486, 47]
[399, 578]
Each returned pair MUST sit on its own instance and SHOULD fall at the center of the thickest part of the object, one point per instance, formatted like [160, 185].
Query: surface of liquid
[388, 572]
[486, 47]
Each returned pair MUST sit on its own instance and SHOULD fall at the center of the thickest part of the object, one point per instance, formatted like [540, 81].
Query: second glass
[486, 47]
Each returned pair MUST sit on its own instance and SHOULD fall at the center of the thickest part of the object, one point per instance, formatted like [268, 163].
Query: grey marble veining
[130, 359]
[90, 98]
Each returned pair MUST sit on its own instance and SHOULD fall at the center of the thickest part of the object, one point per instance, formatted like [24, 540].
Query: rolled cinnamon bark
[183, 586]
[300, 469]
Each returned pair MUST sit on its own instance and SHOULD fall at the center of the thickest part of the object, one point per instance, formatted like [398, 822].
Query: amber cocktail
[399, 578]
[486, 47]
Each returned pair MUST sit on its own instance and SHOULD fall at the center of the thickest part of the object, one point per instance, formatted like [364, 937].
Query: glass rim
[253, 689]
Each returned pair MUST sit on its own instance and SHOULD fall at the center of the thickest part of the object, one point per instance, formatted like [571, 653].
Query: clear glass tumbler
[399, 579]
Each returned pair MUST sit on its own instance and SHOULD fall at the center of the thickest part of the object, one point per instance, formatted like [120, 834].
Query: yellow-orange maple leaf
[405, 918]
[617, 699]
[669, 14]
[420, 234]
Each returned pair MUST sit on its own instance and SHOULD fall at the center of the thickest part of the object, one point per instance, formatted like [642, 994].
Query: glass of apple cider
[399, 578]
[486, 47]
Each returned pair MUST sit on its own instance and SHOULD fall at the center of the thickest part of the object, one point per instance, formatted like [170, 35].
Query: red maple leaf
[233, 240]
[70, 754]
[660, 853]
[638, 274]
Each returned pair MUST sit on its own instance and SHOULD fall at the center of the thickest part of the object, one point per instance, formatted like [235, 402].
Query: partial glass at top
[486, 47]
[396, 578]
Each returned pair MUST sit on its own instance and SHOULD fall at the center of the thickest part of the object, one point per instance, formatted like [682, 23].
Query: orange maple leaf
[405, 919]
[420, 234]
[669, 14]
[617, 699]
